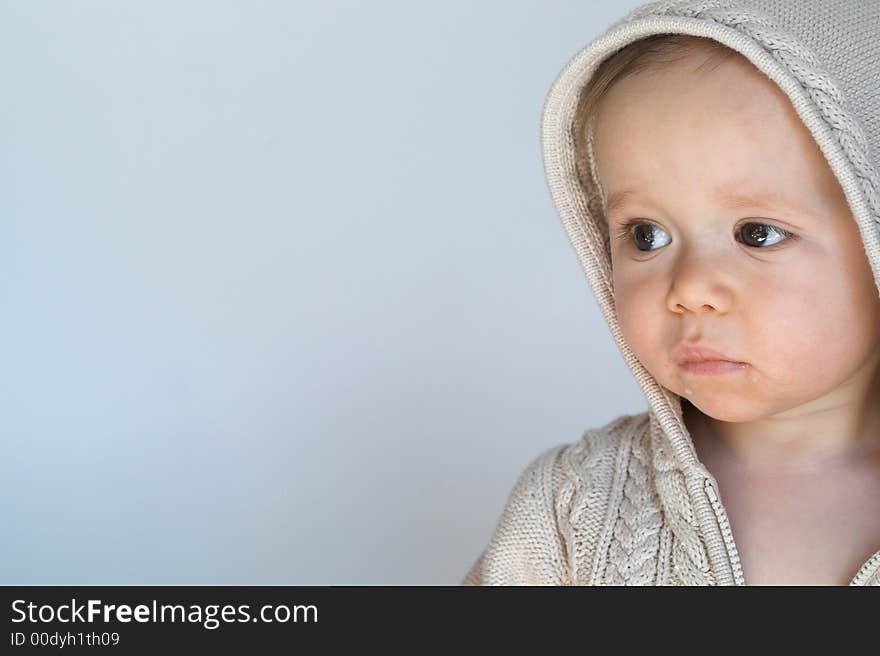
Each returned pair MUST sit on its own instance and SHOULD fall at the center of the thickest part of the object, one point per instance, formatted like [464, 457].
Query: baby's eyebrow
[618, 199]
[739, 199]
[730, 196]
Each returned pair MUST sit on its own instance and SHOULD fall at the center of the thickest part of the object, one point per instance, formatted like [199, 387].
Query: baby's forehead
[733, 166]
[731, 105]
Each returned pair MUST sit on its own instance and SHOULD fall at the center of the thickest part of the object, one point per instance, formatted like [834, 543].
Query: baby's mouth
[712, 367]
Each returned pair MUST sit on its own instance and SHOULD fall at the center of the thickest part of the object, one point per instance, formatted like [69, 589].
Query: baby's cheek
[639, 320]
[799, 338]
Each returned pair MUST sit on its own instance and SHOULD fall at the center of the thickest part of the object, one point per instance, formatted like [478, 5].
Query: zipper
[866, 570]
[727, 534]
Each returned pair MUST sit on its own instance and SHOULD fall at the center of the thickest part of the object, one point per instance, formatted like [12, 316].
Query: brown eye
[761, 235]
[644, 235]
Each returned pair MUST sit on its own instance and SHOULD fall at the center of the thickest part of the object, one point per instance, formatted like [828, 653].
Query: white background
[283, 296]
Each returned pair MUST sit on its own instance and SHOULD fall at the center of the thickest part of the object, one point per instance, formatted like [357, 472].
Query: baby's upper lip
[697, 353]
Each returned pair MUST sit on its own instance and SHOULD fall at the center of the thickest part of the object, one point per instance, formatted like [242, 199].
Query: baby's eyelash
[624, 231]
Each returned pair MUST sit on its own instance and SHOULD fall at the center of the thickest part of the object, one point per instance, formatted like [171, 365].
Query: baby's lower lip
[713, 367]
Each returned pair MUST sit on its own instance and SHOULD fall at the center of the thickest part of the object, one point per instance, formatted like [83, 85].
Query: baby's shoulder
[595, 452]
[571, 469]
[561, 493]
[567, 468]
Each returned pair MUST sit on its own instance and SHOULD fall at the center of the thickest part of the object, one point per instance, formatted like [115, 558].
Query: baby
[737, 271]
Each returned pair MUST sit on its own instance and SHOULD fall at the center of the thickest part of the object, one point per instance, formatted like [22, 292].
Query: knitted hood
[823, 55]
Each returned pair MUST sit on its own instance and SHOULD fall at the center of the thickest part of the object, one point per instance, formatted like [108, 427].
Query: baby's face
[707, 264]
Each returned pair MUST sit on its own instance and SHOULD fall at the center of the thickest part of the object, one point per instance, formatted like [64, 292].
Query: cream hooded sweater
[630, 503]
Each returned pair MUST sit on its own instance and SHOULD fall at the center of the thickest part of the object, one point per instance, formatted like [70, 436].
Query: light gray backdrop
[283, 296]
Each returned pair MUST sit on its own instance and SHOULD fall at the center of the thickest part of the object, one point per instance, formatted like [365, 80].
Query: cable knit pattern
[633, 557]
[630, 503]
[690, 562]
[591, 467]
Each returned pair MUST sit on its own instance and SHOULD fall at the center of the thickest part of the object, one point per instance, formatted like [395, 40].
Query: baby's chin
[723, 406]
